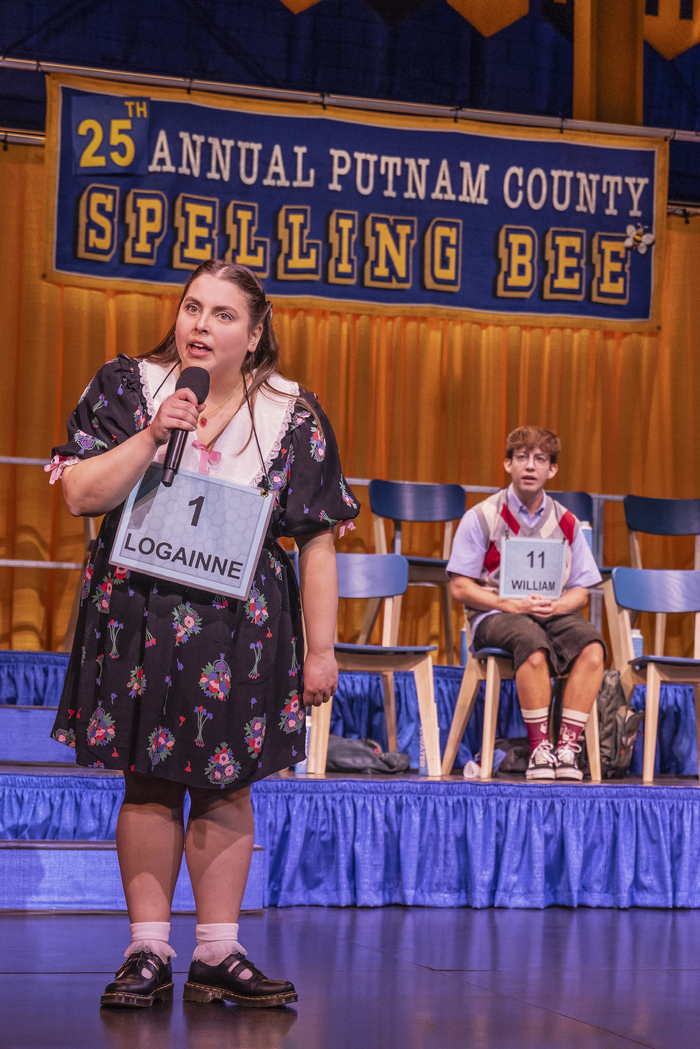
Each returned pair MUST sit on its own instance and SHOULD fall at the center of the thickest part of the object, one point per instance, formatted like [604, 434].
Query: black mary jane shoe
[142, 979]
[205, 983]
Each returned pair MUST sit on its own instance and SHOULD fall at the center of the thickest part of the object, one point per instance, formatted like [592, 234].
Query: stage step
[25, 735]
[84, 876]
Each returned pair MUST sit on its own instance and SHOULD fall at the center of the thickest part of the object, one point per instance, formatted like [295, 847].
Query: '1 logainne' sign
[391, 212]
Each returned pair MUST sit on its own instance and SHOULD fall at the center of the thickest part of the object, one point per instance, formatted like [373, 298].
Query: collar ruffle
[273, 414]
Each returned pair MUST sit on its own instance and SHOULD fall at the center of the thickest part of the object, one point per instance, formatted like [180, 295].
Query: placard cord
[265, 484]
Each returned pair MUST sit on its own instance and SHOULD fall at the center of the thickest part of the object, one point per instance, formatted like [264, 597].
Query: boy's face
[530, 469]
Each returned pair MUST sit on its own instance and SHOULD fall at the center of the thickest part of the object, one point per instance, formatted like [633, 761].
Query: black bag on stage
[619, 725]
[362, 755]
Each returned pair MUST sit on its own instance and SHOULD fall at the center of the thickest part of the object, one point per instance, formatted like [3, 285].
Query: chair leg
[659, 633]
[488, 739]
[593, 745]
[390, 710]
[372, 611]
[425, 691]
[447, 619]
[318, 739]
[471, 679]
[651, 723]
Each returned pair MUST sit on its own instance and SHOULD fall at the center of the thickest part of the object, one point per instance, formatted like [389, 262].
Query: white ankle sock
[150, 936]
[215, 942]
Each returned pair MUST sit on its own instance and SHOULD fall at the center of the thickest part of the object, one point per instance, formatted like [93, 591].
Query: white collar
[273, 415]
[522, 509]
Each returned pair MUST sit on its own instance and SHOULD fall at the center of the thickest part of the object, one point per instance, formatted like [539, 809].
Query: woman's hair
[258, 366]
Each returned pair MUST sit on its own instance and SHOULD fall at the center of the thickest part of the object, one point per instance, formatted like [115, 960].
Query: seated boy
[546, 637]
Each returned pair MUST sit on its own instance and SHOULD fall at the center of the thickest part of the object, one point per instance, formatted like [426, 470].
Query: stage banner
[354, 209]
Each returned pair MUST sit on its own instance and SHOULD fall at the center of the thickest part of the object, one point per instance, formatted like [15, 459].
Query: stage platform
[367, 841]
[373, 842]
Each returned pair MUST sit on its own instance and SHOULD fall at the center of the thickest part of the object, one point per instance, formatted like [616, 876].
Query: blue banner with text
[359, 208]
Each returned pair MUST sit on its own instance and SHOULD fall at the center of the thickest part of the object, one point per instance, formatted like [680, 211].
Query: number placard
[202, 532]
[532, 566]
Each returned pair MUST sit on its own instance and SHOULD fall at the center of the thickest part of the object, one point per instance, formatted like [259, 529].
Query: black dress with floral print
[178, 682]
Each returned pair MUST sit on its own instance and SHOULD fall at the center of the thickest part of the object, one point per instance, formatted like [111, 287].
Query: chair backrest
[409, 501]
[579, 503]
[662, 516]
[372, 575]
[656, 590]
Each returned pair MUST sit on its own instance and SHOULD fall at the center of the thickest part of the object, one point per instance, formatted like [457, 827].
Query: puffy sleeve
[317, 496]
[111, 409]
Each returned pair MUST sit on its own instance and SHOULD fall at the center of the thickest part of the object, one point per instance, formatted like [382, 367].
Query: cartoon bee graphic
[637, 239]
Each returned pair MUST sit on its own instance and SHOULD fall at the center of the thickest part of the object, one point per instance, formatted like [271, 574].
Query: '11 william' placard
[532, 566]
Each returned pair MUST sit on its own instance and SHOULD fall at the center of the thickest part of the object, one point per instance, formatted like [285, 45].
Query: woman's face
[212, 329]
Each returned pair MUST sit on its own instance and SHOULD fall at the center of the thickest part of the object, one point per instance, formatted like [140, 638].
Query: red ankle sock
[536, 723]
[573, 723]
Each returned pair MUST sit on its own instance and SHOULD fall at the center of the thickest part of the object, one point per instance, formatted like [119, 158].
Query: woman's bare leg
[218, 848]
[150, 836]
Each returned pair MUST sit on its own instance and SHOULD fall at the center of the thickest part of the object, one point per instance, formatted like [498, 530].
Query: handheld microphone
[197, 380]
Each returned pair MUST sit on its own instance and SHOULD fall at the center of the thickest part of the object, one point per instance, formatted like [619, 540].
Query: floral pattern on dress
[86, 581]
[160, 745]
[186, 622]
[222, 769]
[65, 736]
[255, 735]
[318, 443]
[137, 682]
[103, 593]
[275, 565]
[86, 442]
[140, 419]
[295, 662]
[293, 713]
[347, 498]
[256, 646]
[101, 730]
[280, 478]
[114, 629]
[219, 602]
[203, 715]
[256, 607]
[215, 679]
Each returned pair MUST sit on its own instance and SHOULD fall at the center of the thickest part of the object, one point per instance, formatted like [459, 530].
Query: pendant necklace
[203, 418]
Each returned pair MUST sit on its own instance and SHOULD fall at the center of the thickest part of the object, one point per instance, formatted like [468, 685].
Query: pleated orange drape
[421, 399]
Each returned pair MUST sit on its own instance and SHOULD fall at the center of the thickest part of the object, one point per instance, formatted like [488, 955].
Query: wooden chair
[494, 665]
[401, 501]
[660, 591]
[383, 576]
[661, 517]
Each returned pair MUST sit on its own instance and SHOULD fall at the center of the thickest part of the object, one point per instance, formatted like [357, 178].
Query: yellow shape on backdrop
[489, 17]
[668, 33]
[297, 6]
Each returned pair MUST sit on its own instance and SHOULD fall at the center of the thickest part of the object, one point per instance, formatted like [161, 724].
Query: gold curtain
[420, 399]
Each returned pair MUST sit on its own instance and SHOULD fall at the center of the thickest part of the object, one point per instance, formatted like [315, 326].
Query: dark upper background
[405, 50]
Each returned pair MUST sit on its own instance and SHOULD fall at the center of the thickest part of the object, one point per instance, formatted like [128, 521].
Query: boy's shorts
[563, 637]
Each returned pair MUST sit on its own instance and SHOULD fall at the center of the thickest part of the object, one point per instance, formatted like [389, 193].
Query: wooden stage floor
[410, 978]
